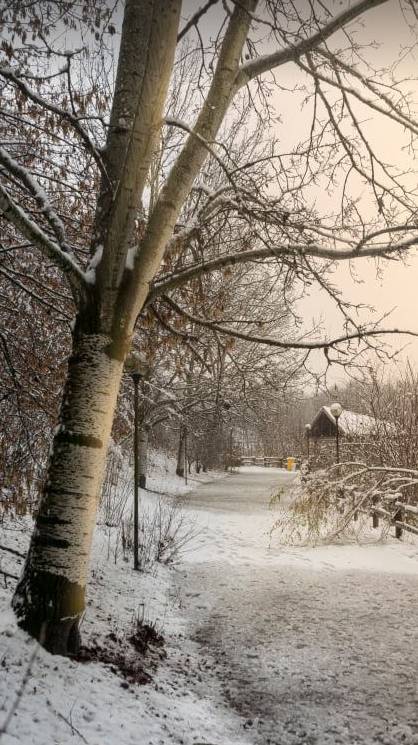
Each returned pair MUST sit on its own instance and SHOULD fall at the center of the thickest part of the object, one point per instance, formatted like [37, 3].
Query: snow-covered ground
[235, 524]
[312, 645]
[59, 701]
[264, 643]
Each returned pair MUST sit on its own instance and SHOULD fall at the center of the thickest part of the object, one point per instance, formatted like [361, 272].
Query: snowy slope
[46, 700]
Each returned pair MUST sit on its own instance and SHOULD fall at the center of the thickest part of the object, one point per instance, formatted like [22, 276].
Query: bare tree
[81, 137]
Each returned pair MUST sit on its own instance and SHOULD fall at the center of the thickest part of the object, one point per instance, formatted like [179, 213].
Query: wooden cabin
[350, 424]
[359, 437]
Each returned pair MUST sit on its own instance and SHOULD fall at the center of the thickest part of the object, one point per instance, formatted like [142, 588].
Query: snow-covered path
[309, 645]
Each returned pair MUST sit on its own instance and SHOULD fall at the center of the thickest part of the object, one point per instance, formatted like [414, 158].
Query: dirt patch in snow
[126, 656]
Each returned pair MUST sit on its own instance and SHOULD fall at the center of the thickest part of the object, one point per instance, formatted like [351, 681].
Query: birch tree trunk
[49, 599]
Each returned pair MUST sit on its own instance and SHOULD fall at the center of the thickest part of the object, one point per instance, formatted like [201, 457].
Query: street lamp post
[336, 411]
[308, 436]
[186, 457]
[227, 442]
[137, 369]
[136, 377]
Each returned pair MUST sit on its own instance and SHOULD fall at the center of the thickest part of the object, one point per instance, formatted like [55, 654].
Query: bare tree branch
[270, 61]
[272, 342]
[32, 232]
[164, 284]
[194, 20]
[23, 175]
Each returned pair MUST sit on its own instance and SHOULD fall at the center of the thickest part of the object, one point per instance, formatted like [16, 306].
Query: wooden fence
[267, 461]
[403, 517]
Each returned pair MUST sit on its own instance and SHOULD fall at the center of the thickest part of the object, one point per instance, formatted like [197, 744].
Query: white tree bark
[49, 599]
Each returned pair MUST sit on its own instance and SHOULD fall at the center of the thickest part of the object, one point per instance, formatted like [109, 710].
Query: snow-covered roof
[351, 423]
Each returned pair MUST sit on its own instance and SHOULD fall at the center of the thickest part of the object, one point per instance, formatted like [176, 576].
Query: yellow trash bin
[290, 464]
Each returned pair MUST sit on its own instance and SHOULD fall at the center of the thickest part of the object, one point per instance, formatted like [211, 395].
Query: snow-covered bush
[165, 532]
[342, 501]
[333, 504]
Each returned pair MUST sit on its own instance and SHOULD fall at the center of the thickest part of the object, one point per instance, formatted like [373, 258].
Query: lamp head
[336, 410]
[136, 365]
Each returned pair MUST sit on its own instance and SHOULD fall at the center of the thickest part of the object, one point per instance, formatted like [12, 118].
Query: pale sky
[397, 288]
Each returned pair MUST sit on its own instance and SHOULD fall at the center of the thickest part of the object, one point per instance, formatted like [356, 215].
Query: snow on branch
[21, 220]
[12, 76]
[342, 499]
[23, 175]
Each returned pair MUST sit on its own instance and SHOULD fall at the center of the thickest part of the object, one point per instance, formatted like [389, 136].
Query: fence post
[399, 515]
[375, 515]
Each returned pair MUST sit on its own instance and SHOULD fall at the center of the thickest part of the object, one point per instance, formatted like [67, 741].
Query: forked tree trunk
[49, 598]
